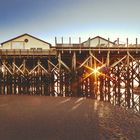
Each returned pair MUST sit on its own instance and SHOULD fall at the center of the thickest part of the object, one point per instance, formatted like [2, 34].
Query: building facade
[25, 41]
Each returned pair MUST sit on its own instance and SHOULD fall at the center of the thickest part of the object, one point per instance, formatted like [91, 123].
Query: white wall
[20, 43]
[97, 41]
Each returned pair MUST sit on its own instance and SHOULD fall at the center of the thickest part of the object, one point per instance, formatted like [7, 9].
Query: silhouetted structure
[96, 68]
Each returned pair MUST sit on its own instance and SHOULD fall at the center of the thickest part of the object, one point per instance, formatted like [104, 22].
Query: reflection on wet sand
[40, 117]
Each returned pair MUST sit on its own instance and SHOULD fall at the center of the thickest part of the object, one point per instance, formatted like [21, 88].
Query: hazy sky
[49, 18]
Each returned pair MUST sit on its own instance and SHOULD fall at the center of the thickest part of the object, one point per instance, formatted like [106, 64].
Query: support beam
[117, 62]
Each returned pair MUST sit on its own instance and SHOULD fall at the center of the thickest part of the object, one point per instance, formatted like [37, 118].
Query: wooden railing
[71, 47]
[27, 52]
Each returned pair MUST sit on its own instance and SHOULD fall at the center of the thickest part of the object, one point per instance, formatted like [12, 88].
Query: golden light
[96, 70]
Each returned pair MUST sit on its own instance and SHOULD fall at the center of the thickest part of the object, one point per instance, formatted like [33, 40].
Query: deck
[27, 52]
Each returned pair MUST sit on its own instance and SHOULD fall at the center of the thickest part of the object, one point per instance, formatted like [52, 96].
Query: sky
[46, 19]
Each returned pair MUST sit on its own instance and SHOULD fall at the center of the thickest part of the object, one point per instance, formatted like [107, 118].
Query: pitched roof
[100, 38]
[24, 35]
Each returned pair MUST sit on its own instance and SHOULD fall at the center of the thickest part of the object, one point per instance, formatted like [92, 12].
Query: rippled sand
[59, 118]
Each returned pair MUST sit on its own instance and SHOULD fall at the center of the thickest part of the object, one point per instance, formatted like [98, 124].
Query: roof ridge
[24, 35]
[98, 37]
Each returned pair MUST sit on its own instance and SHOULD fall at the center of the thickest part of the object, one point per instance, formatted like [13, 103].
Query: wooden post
[108, 42]
[101, 88]
[24, 65]
[55, 40]
[118, 42]
[108, 75]
[74, 61]
[128, 94]
[59, 58]
[127, 42]
[133, 78]
[62, 40]
[118, 86]
[89, 42]
[95, 81]
[136, 45]
[80, 44]
[99, 44]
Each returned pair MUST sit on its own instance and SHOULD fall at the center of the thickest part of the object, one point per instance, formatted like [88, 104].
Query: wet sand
[59, 118]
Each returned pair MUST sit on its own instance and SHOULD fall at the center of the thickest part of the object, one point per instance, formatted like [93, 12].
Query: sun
[96, 70]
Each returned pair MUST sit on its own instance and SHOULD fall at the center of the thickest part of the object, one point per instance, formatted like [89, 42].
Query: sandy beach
[64, 118]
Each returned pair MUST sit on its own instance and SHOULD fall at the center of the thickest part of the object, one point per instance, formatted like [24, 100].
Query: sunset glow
[49, 18]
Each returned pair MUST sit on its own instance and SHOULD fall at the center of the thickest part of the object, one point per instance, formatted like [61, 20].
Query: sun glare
[96, 70]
